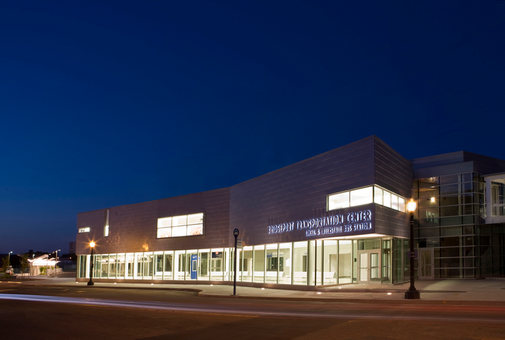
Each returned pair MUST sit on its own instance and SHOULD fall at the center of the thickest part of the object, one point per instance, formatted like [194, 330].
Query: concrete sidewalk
[490, 290]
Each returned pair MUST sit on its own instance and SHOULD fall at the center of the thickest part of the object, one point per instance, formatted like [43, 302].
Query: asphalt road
[39, 312]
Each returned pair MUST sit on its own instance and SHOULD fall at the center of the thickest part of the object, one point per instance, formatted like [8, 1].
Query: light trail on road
[234, 311]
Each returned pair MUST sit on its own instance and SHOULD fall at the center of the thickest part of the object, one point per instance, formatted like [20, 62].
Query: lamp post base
[412, 294]
[91, 283]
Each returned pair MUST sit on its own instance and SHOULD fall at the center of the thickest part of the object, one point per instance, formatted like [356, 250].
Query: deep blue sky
[105, 103]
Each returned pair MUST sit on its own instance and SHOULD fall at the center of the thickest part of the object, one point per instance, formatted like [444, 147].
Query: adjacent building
[336, 218]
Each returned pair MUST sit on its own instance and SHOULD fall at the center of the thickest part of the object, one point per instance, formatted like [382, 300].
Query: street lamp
[235, 234]
[9, 261]
[412, 293]
[90, 282]
[56, 262]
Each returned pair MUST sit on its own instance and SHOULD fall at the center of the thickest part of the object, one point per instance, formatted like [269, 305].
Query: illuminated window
[401, 204]
[367, 195]
[394, 202]
[361, 196]
[338, 201]
[378, 196]
[177, 226]
[387, 199]
[84, 230]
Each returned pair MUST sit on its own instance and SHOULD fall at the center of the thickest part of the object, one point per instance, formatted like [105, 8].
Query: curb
[321, 299]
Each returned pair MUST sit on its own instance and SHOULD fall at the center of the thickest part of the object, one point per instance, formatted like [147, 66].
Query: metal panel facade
[292, 197]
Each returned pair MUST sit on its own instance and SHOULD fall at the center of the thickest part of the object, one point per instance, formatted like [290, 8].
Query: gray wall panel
[298, 192]
[133, 228]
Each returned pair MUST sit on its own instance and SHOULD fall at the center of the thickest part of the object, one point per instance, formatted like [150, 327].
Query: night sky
[106, 103]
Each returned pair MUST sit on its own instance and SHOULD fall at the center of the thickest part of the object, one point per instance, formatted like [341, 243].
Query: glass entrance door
[363, 267]
[369, 266]
[426, 263]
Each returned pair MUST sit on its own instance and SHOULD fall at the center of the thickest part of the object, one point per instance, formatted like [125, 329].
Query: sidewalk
[489, 290]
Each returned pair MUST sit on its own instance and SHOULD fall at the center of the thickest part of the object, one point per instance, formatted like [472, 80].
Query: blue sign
[194, 267]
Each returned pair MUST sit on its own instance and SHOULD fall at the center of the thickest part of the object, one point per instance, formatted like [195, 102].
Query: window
[378, 196]
[178, 226]
[394, 202]
[387, 199]
[338, 201]
[84, 230]
[361, 196]
[367, 195]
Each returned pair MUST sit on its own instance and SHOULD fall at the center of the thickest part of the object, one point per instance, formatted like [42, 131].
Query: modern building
[336, 218]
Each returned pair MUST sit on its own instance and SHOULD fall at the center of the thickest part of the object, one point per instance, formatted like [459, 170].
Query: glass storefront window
[112, 266]
[386, 260]
[286, 259]
[158, 265]
[259, 264]
[138, 265]
[330, 262]
[130, 265]
[300, 263]
[344, 261]
[274, 263]
[217, 263]
[246, 264]
[192, 263]
[104, 272]
[148, 259]
[204, 259]
[168, 265]
[315, 262]
[311, 272]
[319, 262]
[180, 265]
[120, 266]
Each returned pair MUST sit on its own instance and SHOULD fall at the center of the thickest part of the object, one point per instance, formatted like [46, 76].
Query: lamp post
[9, 261]
[412, 293]
[56, 262]
[90, 282]
[235, 233]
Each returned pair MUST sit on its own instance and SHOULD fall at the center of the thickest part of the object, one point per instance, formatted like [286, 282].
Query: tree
[24, 262]
[5, 265]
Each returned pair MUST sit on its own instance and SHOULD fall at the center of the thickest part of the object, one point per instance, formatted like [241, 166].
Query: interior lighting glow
[152, 284]
[389, 293]
[262, 288]
[433, 199]
[318, 293]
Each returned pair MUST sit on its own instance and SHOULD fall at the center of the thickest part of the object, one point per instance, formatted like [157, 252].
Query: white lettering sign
[328, 225]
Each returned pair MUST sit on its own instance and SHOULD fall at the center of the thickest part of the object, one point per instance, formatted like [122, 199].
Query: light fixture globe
[92, 244]
[411, 206]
